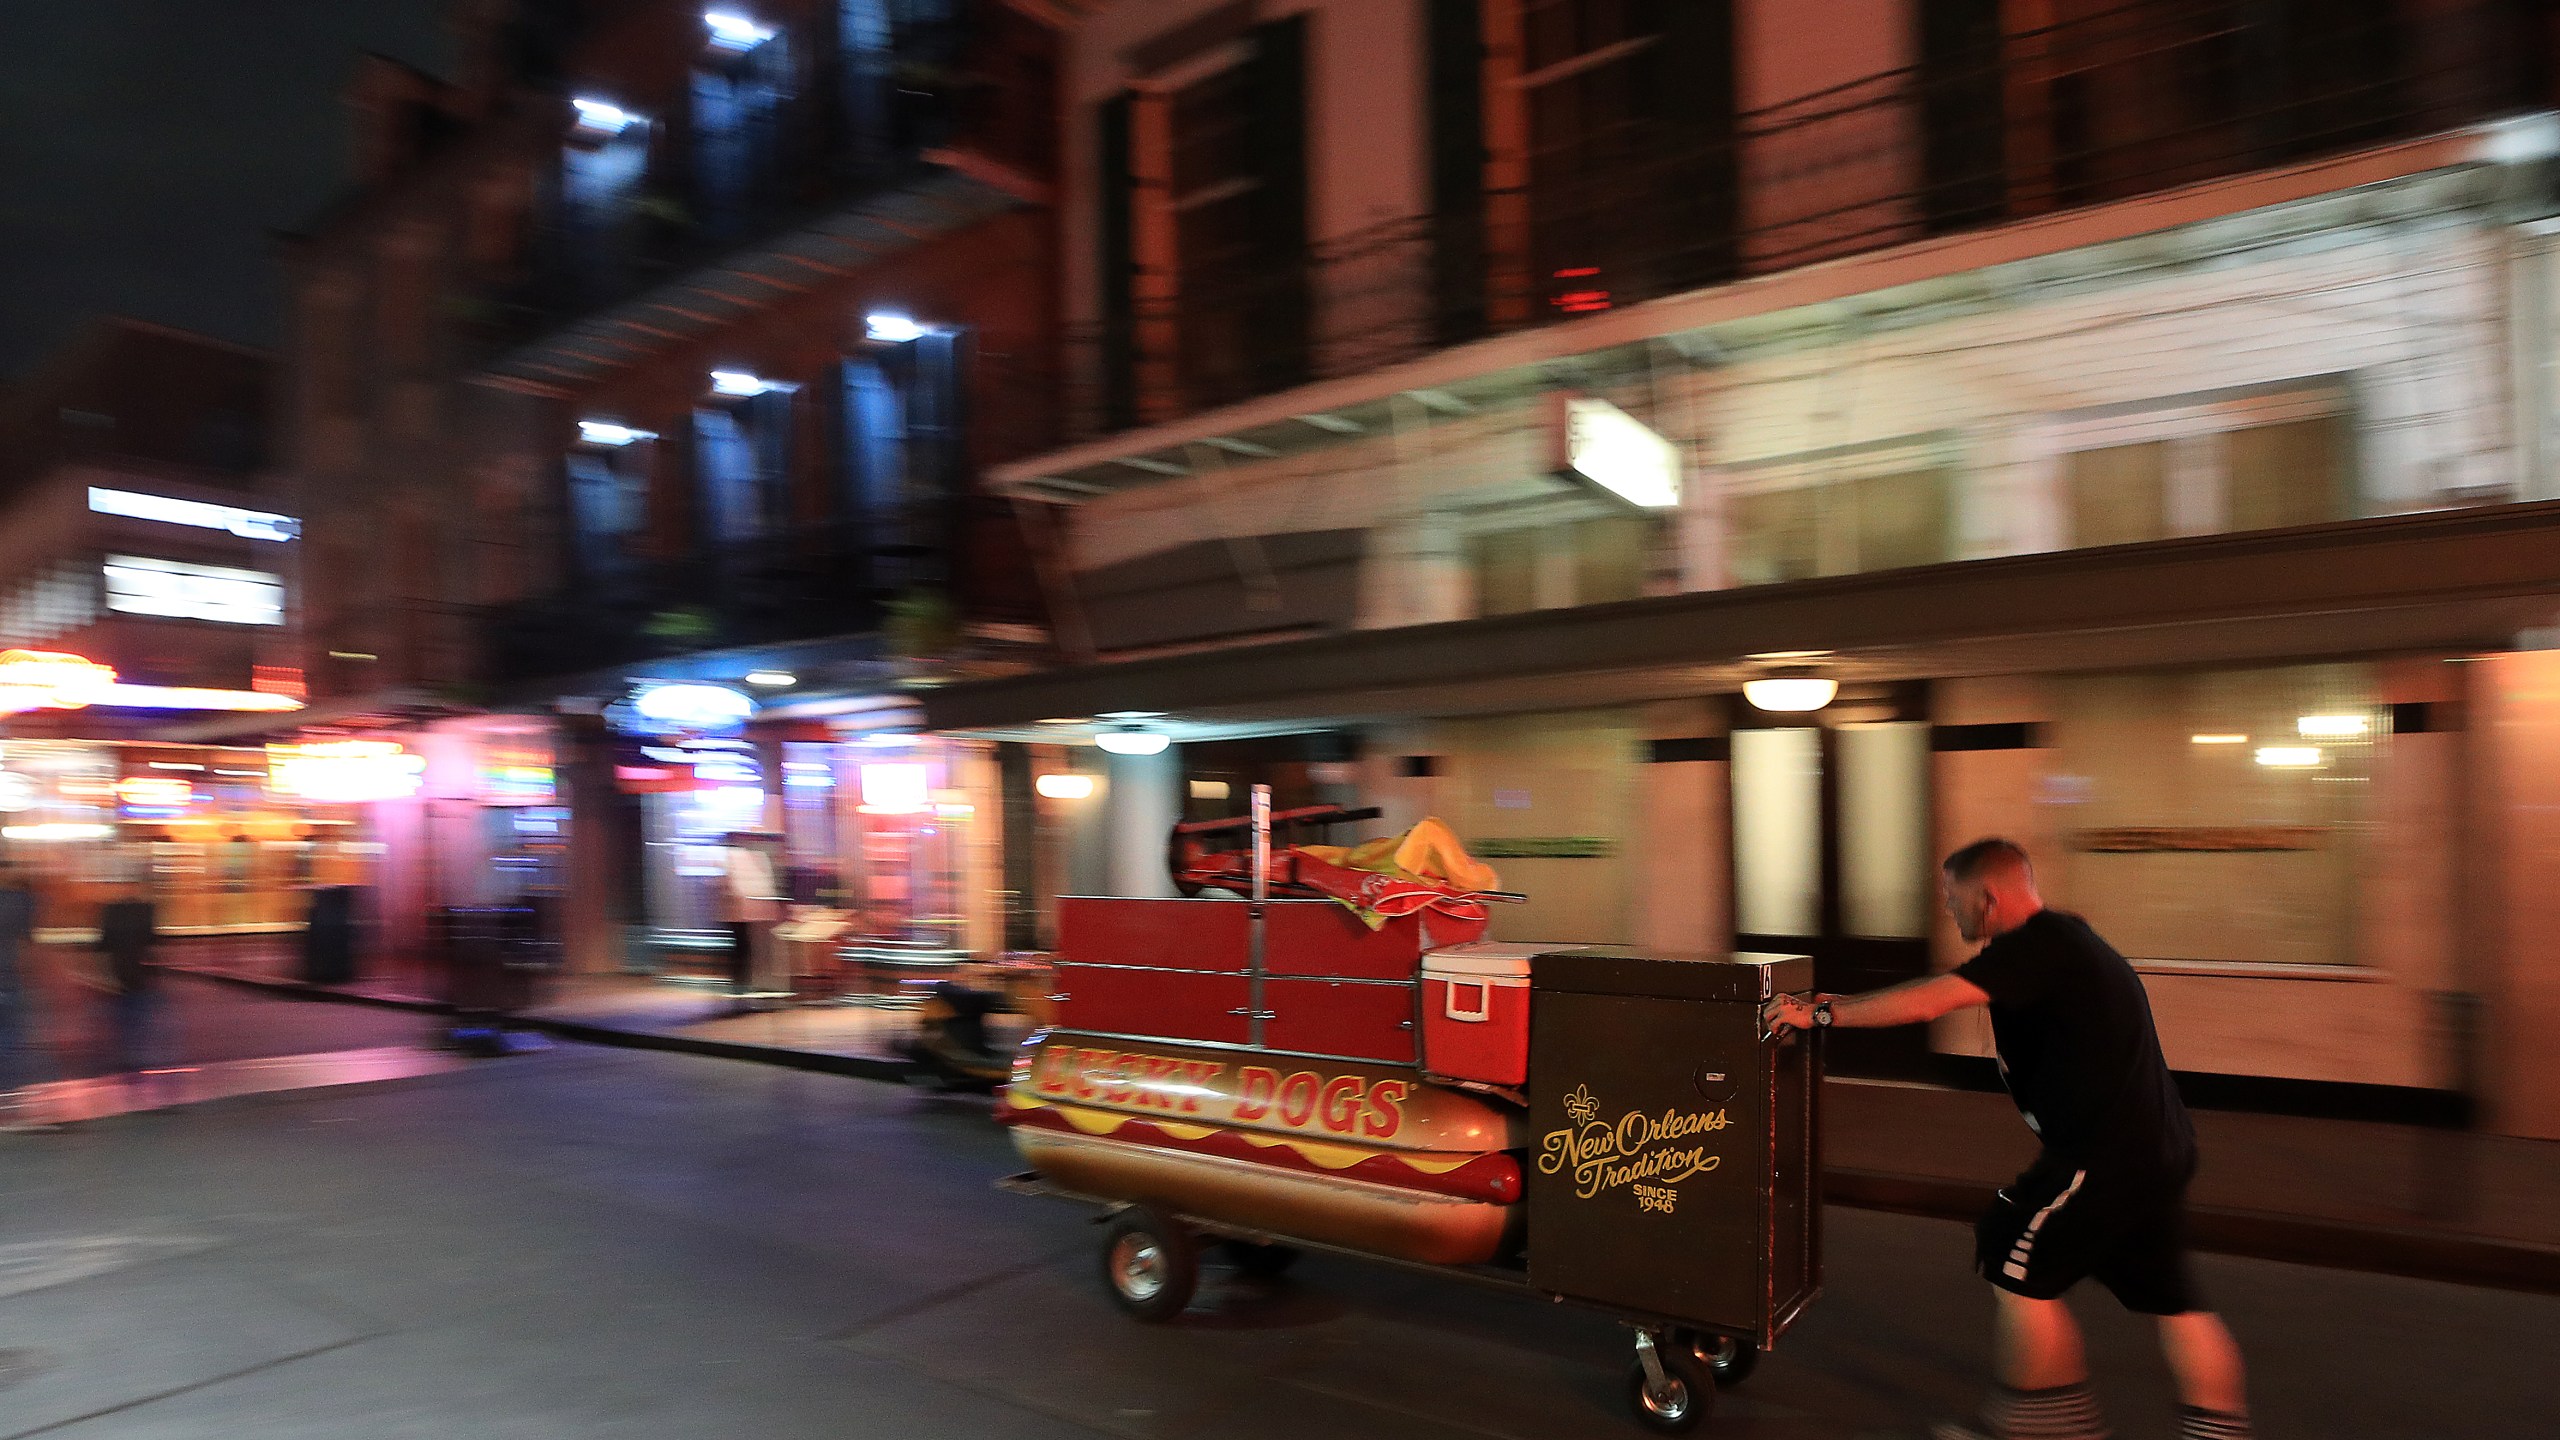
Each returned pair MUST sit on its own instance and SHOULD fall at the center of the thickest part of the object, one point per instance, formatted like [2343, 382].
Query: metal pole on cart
[1261, 813]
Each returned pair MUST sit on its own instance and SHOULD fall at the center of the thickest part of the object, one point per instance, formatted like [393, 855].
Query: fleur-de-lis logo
[1582, 1105]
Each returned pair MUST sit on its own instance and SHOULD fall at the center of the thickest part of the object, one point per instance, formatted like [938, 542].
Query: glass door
[1831, 858]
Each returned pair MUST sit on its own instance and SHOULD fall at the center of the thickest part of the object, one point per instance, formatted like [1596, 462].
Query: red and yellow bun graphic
[1488, 1175]
[1364, 1156]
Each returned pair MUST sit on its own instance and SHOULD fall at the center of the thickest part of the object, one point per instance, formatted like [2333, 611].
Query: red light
[278, 680]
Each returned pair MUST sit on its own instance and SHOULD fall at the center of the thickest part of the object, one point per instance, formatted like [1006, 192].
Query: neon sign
[344, 772]
[686, 705]
[50, 680]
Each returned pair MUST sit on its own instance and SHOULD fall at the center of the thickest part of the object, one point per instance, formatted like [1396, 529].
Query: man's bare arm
[1909, 1003]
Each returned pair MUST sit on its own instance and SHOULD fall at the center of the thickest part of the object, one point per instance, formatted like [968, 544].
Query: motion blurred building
[2122, 426]
[145, 589]
[664, 348]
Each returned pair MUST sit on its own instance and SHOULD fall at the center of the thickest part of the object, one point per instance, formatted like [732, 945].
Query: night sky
[148, 148]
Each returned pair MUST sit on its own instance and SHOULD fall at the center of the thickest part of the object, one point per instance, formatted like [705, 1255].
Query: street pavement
[591, 1243]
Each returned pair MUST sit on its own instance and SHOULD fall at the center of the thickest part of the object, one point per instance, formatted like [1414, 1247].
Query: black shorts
[2058, 1224]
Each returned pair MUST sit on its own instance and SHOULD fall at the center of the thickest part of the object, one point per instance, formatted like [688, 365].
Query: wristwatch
[1821, 1014]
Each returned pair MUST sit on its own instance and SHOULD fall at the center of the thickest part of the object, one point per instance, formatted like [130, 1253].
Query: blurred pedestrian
[750, 903]
[129, 938]
[2106, 1197]
[17, 1001]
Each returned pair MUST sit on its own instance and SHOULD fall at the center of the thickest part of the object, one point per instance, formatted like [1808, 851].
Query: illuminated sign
[686, 705]
[1619, 453]
[137, 585]
[895, 789]
[344, 772]
[247, 524]
[190, 697]
[50, 680]
[155, 792]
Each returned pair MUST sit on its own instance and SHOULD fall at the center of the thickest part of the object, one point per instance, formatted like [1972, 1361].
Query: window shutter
[1278, 125]
[1114, 194]
[1457, 170]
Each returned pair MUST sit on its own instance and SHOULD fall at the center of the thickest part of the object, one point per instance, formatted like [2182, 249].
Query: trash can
[1672, 1163]
[329, 936]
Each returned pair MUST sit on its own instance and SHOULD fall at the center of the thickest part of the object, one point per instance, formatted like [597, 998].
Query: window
[741, 454]
[2291, 473]
[898, 469]
[1581, 562]
[2250, 460]
[1632, 190]
[2218, 816]
[738, 101]
[2118, 495]
[608, 507]
[1794, 529]
[1238, 194]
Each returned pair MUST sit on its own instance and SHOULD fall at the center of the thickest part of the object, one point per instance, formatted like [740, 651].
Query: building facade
[663, 347]
[146, 591]
[2137, 420]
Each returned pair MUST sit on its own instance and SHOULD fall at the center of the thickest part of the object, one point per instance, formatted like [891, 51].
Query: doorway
[1831, 854]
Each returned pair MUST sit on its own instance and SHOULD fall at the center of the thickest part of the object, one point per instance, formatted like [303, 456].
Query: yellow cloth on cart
[1430, 852]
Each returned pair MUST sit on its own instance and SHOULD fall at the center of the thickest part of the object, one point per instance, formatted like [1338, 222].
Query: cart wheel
[1729, 1360]
[1151, 1263]
[1261, 1262]
[1680, 1403]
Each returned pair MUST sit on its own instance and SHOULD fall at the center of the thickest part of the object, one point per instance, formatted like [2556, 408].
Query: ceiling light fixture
[1133, 742]
[605, 432]
[603, 115]
[892, 328]
[2332, 727]
[735, 32]
[2289, 757]
[1790, 694]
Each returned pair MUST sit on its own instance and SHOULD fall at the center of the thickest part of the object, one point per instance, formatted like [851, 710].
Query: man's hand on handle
[1789, 1012]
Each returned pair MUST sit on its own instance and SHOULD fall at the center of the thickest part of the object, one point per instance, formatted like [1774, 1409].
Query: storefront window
[2218, 816]
[221, 850]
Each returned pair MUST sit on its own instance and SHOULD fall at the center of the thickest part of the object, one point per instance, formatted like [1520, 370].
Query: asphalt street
[590, 1243]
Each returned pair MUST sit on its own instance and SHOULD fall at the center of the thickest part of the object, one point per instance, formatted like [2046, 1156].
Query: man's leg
[2036, 1343]
[2030, 1245]
[2212, 1382]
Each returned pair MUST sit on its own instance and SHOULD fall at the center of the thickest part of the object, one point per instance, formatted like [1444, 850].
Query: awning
[2448, 581]
[379, 710]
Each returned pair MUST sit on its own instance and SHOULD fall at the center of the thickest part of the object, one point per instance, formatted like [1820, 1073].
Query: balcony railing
[982, 83]
[2132, 101]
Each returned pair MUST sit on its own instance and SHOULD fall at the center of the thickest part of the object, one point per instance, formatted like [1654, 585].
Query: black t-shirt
[2078, 1048]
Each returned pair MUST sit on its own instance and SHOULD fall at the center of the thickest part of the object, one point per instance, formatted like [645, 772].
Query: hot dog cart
[1603, 1126]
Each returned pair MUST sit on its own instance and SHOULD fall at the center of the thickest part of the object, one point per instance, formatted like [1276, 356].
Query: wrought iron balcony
[2132, 101]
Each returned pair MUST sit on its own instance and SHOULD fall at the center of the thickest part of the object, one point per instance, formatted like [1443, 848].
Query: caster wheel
[1729, 1360]
[1151, 1264]
[1680, 1403]
[1261, 1262]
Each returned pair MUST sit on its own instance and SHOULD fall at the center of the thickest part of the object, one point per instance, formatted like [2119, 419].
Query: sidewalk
[2401, 1199]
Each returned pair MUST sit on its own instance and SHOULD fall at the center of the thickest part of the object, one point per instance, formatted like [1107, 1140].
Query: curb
[2257, 1235]
[860, 1067]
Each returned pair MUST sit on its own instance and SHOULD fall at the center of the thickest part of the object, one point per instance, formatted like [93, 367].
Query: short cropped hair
[1986, 857]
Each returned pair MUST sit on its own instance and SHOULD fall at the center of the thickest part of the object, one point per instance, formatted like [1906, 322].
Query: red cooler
[1475, 1012]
